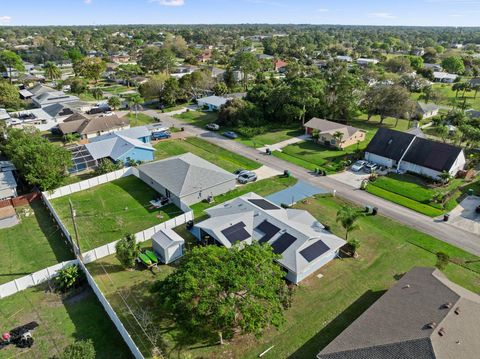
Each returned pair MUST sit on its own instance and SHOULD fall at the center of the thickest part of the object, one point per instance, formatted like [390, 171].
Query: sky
[345, 12]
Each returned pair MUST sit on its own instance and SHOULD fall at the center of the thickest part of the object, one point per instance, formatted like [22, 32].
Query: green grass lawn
[141, 120]
[107, 212]
[33, 244]
[223, 158]
[116, 89]
[322, 308]
[61, 323]
[198, 118]
[449, 98]
[415, 193]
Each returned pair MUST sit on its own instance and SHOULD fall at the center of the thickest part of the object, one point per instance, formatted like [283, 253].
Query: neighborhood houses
[250, 190]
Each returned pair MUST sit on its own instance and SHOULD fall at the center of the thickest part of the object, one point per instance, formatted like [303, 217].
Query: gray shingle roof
[115, 147]
[397, 325]
[186, 174]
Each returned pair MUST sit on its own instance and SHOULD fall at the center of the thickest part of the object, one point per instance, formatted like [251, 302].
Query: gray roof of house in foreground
[186, 174]
[253, 211]
[325, 126]
[133, 132]
[7, 180]
[423, 316]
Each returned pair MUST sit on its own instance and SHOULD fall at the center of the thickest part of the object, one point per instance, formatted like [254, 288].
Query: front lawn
[448, 97]
[107, 212]
[61, 322]
[322, 307]
[415, 193]
[33, 244]
[198, 118]
[141, 120]
[225, 159]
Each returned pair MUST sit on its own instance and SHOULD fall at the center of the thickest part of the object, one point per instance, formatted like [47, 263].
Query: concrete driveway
[350, 178]
[465, 217]
[263, 172]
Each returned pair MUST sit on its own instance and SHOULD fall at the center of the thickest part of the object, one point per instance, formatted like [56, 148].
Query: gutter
[406, 151]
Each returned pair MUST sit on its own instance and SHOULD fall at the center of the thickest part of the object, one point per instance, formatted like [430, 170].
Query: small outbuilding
[168, 245]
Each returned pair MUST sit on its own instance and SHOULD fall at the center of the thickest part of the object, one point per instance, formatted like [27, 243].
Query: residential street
[434, 227]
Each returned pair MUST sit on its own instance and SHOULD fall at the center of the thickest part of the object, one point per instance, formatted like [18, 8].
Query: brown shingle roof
[325, 126]
[397, 325]
[81, 124]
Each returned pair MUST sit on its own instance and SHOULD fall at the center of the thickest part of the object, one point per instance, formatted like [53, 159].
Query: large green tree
[52, 71]
[9, 97]
[453, 64]
[154, 59]
[90, 68]
[39, 161]
[247, 63]
[10, 62]
[220, 291]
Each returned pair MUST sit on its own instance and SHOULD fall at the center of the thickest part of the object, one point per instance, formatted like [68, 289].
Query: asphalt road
[434, 227]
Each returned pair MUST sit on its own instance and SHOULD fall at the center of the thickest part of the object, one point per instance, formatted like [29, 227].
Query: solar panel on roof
[282, 243]
[263, 204]
[314, 251]
[268, 229]
[236, 233]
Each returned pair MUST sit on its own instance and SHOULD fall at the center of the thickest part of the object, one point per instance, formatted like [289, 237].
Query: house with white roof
[302, 242]
[440, 76]
[365, 62]
[212, 103]
[49, 98]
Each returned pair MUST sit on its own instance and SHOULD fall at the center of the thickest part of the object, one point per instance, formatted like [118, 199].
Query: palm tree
[338, 136]
[458, 86]
[476, 88]
[97, 93]
[135, 101]
[52, 71]
[347, 216]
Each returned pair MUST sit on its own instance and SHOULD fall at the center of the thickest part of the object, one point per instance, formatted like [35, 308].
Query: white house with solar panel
[303, 242]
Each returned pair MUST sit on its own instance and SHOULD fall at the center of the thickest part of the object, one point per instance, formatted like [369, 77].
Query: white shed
[168, 245]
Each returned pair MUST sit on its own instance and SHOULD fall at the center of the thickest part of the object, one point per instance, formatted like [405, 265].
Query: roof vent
[441, 332]
[447, 305]
[390, 141]
[457, 311]
[406, 286]
[431, 325]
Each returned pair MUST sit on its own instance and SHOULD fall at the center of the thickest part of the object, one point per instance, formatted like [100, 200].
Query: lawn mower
[20, 336]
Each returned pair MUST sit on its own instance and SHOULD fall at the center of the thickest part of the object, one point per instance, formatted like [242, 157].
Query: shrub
[106, 166]
[442, 260]
[82, 349]
[69, 278]
[354, 245]
[127, 250]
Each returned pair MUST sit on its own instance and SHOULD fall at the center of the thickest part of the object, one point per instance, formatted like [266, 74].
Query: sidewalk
[278, 146]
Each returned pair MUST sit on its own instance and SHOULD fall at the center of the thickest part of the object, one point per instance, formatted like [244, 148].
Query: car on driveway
[212, 127]
[247, 177]
[358, 166]
[240, 171]
[230, 134]
[160, 135]
[370, 167]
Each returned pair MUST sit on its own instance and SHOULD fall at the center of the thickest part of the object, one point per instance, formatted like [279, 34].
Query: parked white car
[358, 166]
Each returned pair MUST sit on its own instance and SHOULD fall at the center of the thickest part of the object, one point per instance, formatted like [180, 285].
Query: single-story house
[365, 62]
[475, 81]
[49, 98]
[279, 65]
[4, 115]
[186, 179]
[411, 153]
[118, 147]
[427, 110]
[344, 58]
[212, 103]
[433, 67]
[440, 76]
[168, 245]
[141, 133]
[303, 243]
[8, 185]
[327, 131]
[89, 127]
[423, 316]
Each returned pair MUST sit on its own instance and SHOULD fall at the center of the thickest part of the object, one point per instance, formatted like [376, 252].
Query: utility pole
[73, 214]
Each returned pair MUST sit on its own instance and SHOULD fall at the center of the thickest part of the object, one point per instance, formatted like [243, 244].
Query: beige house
[333, 133]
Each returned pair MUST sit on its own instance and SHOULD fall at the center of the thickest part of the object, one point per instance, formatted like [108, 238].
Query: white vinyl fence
[142, 236]
[91, 182]
[33, 279]
[113, 316]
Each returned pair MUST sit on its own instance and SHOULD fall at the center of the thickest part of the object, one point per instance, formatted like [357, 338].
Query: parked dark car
[247, 177]
[161, 135]
[230, 134]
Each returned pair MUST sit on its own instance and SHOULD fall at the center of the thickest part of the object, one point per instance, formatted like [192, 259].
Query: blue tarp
[296, 193]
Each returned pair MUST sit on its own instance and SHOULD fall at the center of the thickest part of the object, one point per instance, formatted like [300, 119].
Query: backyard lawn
[33, 244]
[141, 120]
[225, 159]
[61, 322]
[198, 118]
[322, 307]
[448, 97]
[107, 212]
[415, 193]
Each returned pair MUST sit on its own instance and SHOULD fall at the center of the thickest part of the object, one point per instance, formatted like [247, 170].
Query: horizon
[408, 13]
